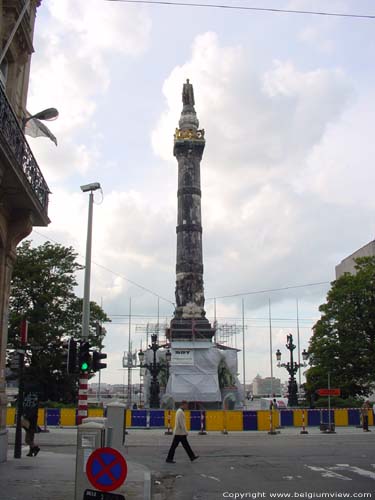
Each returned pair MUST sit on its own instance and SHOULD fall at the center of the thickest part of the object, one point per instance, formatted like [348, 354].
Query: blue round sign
[106, 469]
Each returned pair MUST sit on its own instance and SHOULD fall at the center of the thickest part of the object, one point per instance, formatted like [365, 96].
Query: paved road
[258, 464]
[254, 464]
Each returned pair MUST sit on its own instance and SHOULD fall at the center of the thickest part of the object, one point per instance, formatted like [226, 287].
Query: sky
[287, 104]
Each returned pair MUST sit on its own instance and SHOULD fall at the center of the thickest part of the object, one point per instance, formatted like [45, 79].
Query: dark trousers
[176, 441]
[365, 422]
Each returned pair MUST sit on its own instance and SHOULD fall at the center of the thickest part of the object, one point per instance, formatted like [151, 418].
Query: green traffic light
[84, 366]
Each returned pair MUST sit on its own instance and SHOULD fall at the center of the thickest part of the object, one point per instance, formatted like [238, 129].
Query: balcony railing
[20, 152]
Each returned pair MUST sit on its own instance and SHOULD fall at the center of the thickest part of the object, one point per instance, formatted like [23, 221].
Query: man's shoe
[30, 454]
[36, 450]
[194, 458]
[170, 461]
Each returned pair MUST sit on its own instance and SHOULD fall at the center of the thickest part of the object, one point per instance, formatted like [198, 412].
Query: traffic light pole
[82, 397]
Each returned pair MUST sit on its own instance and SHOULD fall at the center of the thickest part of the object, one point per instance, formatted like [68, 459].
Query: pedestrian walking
[29, 423]
[365, 409]
[180, 435]
[273, 404]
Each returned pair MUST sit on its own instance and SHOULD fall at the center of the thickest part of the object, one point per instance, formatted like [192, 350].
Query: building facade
[266, 386]
[23, 190]
[347, 265]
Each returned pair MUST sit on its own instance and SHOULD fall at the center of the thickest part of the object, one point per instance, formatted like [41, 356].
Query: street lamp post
[292, 368]
[154, 369]
[83, 378]
[168, 357]
[47, 114]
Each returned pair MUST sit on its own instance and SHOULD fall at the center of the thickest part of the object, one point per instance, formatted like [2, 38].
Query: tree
[42, 291]
[343, 341]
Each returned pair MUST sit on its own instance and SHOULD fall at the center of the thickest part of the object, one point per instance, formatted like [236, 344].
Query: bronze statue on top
[188, 94]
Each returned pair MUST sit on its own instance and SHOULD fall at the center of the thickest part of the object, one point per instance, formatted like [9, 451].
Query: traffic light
[14, 361]
[84, 357]
[71, 363]
[96, 361]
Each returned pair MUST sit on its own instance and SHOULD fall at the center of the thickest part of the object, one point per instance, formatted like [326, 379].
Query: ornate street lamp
[292, 368]
[154, 369]
[47, 114]
[168, 357]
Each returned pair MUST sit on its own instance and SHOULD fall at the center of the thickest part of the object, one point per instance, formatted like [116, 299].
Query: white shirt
[180, 423]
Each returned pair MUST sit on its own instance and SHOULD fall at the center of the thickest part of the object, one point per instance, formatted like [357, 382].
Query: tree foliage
[42, 291]
[343, 341]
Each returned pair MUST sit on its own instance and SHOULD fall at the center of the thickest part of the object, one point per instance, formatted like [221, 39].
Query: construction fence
[209, 420]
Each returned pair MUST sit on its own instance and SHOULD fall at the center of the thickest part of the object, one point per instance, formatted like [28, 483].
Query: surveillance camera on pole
[90, 187]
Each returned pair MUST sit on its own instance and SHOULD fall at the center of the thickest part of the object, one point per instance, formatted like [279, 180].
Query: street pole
[84, 377]
[86, 291]
[21, 364]
[243, 350]
[215, 320]
[329, 402]
[270, 325]
[299, 349]
[130, 360]
[18, 437]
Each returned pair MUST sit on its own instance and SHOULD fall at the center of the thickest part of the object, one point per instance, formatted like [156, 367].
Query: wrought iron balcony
[16, 153]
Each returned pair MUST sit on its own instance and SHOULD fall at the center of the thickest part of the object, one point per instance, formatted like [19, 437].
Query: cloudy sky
[287, 103]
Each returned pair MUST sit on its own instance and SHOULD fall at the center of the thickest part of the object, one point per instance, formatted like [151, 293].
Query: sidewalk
[51, 476]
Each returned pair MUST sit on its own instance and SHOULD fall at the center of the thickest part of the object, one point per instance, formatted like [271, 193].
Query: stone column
[189, 142]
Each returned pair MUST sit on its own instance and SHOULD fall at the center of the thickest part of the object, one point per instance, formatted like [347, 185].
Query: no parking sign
[106, 469]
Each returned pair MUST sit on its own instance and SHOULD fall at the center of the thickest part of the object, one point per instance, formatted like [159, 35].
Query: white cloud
[286, 173]
[263, 131]
[339, 169]
[254, 122]
[71, 70]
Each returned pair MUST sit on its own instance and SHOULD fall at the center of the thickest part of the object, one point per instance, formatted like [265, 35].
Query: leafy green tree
[42, 291]
[343, 341]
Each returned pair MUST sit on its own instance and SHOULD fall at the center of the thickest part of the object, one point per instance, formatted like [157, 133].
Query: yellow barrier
[297, 418]
[370, 417]
[341, 417]
[187, 418]
[233, 420]
[95, 412]
[11, 416]
[67, 417]
[263, 420]
[41, 416]
[214, 420]
[128, 419]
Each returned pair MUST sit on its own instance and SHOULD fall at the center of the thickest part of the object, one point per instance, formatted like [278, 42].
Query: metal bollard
[225, 431]
[169, 430]
[272, 429]
[303, 431]
[202, 432]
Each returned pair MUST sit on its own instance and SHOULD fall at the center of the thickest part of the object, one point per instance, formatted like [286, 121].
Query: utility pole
[130, 359]
[84, 375]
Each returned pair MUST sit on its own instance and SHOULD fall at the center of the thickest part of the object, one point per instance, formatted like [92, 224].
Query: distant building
[347, 264]
[266, 386]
